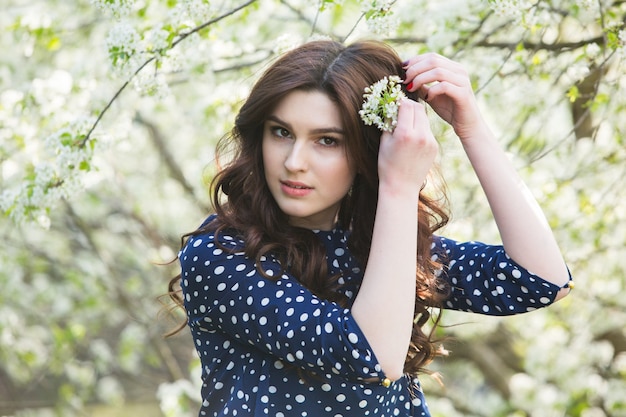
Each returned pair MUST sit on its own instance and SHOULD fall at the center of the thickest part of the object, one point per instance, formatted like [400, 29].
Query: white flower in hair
[381, 103]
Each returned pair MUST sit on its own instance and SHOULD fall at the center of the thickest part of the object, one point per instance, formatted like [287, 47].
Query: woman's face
[305, 160]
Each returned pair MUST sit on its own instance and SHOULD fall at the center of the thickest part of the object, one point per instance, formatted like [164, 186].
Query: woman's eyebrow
[320, 130]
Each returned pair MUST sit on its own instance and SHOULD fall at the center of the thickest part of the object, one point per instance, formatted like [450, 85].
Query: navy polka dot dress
[252, 333]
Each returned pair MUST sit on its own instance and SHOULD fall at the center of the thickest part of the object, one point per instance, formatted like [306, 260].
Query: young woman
[307, 289]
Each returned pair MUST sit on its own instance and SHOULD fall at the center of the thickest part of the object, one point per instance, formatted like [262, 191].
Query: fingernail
[408, 87]
[405, 63]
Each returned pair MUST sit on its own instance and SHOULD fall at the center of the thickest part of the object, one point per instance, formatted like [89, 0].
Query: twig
[180, 38]
[110, 103]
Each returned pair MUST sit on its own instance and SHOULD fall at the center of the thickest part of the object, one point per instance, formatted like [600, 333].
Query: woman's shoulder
[213, 233]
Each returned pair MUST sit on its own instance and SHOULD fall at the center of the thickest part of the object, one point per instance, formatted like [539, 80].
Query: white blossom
[171, 397]
[155, 39]
[586, 4]
[319, 37]
[382, 100]
[118, 8]
[110, 390]
[379, 16]
[123, 43]
[592, 50]
[513, 9]
[286, 42]
[578, 71]
[190, 12]
[151, 84]
[621, 50]
[58, 177]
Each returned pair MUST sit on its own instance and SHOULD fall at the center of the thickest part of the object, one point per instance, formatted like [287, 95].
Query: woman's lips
[295, 189]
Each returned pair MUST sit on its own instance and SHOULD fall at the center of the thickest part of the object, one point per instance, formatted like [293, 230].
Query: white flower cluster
[382, 100]
[123, 43]
[586, 4]
[592, 50]
[577, 71]
[151, 84]
[26, 341]
[156, 38]
[319, 37]
[191, 12]
[379, 16]
[175, 398]
[286, 42]
[118, 8]
[513, 9]
[130, 48]
[52, 180]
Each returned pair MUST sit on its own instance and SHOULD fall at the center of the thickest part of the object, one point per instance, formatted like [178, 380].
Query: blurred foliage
[109, 111]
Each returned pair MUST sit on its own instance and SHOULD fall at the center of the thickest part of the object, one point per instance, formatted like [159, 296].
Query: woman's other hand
[445, 85]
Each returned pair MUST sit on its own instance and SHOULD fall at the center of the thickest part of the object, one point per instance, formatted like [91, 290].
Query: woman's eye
[326, 141]
[281, 132]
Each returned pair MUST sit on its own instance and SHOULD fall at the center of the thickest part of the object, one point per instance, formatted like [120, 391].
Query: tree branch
[558, 46]
[180, 38]
[184, 35]
[175, 170]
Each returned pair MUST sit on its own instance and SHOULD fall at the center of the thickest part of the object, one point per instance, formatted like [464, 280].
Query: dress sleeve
[224, 291]
[484, 279]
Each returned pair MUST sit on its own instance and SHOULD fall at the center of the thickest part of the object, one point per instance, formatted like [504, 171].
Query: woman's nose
[297, 157]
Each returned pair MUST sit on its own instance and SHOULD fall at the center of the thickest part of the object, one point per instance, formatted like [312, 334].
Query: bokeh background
[109, 111]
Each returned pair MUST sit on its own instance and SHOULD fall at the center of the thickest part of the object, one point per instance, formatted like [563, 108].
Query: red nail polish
[408, 87]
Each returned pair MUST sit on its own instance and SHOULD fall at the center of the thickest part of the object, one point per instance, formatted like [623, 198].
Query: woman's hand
[446, 87]
[407, 154]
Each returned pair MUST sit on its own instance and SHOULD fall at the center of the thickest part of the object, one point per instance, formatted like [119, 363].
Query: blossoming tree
[109, 110]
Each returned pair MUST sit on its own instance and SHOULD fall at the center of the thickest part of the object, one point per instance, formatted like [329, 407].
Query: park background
[109, 111]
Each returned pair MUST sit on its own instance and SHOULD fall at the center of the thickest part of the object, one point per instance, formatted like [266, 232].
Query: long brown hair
[341, 72]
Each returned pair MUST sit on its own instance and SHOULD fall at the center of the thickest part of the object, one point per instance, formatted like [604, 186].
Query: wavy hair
[244, 204]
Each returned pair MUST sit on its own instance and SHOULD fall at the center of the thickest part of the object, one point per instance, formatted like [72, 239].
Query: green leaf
[573, 93]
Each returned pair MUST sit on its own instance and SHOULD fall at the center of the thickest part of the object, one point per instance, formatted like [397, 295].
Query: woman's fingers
[425, 62]
[424, 71]
[407, 154]
[445, 85]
